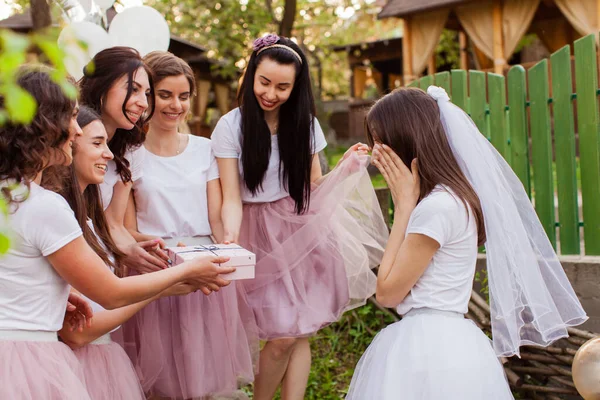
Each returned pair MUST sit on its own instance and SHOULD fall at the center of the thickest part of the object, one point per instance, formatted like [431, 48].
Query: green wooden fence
[533, 118]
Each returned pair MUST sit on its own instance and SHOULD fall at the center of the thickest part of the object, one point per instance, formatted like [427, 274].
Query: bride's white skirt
[430, 355]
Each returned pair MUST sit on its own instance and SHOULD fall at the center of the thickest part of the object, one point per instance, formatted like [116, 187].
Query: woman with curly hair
[49, 254]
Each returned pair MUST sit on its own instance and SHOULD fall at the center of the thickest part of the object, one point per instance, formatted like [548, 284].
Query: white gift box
[240, 258]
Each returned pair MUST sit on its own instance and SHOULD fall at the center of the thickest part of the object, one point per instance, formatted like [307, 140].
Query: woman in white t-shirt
[108, 371]
[315, 238]
[453, 192]
[197, 345]
[120, 89]
[48, 253]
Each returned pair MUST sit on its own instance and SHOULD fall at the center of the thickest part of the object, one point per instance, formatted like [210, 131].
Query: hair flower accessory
[438, 93]
[273, 41]
[265, 41]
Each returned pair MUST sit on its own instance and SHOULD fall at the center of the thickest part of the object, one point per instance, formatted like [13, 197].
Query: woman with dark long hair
[49, 254]
[315, 237]
[118, 85]
[454, 192]
[193, 346]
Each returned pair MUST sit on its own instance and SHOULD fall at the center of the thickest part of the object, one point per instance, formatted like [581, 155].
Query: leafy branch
[18, 106]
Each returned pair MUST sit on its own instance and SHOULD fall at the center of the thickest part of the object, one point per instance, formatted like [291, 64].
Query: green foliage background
[228, 27]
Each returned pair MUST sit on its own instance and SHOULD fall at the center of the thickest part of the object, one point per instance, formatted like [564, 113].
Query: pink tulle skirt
[192, 346]
[40, 370]
[109, 375]
[312, 267]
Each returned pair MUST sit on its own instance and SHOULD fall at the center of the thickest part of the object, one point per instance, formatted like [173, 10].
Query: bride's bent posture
[452, 193]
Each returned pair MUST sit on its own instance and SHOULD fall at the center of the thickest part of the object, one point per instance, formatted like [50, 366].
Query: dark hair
[87, 204]
[25, 148]
[86, 116]
[408, 121]
[295, 129]
[100, 75]
[164, 64]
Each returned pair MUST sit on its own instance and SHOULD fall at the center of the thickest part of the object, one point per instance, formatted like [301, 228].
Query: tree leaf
[3, 207]
[21, 105]
[4, 243]
[13, 42]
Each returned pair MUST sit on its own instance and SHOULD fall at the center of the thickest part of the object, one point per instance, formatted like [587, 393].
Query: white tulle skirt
[430, 355]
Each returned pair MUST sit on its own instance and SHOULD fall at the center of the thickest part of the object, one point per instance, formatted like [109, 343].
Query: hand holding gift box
[240, 258]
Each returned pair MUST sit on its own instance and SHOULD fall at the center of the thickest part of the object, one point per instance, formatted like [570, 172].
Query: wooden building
[492, 27]
[376, 68]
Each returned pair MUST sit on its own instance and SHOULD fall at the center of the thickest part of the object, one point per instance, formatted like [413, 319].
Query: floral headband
[270, 41]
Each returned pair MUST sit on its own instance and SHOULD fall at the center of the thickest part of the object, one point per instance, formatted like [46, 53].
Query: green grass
[336, 350]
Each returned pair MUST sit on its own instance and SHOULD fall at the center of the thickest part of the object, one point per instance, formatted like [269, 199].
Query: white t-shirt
[227, 143]
[111, 178]
[171, 198]
[33, 296]
[447, 282]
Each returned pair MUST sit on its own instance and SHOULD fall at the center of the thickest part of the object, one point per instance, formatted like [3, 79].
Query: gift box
[240, 258]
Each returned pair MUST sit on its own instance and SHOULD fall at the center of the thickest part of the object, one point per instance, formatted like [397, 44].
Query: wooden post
[40, 14]
[407, 69]
[499, 60]
[464, 55]
[431, 68]
[352, 88]
[596, 28]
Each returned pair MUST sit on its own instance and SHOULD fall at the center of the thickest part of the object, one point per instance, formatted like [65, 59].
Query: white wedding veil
[531, 299]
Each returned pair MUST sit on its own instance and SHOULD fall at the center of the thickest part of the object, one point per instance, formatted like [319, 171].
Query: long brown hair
[101, 74]
[164, 64]
[87, 204]
[408, 121]
[25, 148]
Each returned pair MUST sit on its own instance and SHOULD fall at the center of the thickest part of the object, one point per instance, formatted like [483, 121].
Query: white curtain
[222, 97]
[516, 18]
[582, 14]
[203, 88]
[425, 30]
[477, 20]
[359, 81]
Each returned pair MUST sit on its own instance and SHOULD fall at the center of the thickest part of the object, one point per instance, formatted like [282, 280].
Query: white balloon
[73, 10]
[142, 28]
[76, 56]
[87, 5]
[105, 4]
[85, 10]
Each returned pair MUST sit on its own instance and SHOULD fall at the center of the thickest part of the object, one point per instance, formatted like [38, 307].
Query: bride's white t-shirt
[447, 282]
